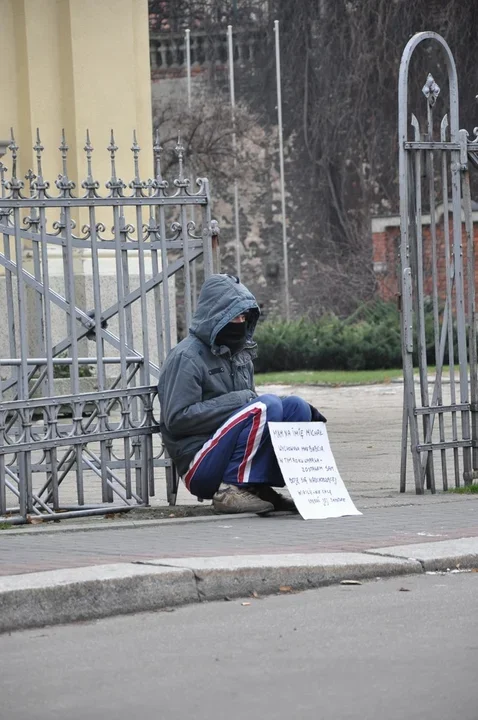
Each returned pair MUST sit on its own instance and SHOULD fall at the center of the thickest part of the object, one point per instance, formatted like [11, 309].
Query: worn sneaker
[235, 499]
[279, 501]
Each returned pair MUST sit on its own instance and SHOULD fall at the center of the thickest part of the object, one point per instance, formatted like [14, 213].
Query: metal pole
[193, 214]
[233, 111]
[281, 163]
[188, 64]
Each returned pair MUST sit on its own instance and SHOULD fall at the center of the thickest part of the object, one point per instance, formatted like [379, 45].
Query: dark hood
[222, 298]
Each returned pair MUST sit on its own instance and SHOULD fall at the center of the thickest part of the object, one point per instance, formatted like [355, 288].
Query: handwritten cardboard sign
[309, 470]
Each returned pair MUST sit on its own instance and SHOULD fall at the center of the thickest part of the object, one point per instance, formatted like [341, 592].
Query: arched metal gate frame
[437, 283]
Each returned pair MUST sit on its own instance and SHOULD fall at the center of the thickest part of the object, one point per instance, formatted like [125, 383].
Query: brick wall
[386, 255]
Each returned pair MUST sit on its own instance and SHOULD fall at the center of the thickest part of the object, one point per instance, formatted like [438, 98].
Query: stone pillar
[76, 64]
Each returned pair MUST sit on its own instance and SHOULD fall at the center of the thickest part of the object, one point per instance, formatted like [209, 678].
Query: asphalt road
[400, 649]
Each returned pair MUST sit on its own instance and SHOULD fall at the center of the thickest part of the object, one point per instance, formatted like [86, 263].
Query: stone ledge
[240, 576]
[64, 596]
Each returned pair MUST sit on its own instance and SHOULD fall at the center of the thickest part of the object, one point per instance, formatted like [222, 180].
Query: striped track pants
[241, 451]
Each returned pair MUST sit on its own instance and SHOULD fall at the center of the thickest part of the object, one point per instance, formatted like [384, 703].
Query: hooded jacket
[201, 384]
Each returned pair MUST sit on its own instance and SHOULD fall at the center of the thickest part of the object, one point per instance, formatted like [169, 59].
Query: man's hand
[316, 415]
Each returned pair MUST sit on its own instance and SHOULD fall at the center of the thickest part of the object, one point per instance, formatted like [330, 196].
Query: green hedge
[367, 340]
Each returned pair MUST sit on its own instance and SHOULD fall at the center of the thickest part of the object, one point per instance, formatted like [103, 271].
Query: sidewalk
[86, 569]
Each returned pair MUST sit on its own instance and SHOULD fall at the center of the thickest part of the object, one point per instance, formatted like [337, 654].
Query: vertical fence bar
[182, 183]
[471, 310]
[147, 474]
[23, 417]
[4, 215]
[436, 320]
[145, 375]
[99, 347]
[50, 380]
[77, 407]
[38, 330]
[91, 186]
[211, 255]
[9, 296]
[125, 400]
[187, 275]
[116, 187]
[166, 309]
[38, 300]
[460, 307]
[422, 345]
[163, 313]
[449, 279]
[65, 187]
[23, 458]
[121, 306]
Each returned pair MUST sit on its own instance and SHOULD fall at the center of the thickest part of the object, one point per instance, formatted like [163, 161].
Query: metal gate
[94, 288]
[438, 278]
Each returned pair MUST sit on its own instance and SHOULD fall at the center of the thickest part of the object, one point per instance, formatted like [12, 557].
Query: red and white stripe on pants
[258, 412]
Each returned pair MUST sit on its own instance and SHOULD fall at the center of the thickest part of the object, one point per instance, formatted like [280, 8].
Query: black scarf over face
[233, 335]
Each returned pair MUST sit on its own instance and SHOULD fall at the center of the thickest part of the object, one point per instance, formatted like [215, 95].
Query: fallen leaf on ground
[350, 582]
[245, 603]
[255, 594]
[34, 520]
[285, 588]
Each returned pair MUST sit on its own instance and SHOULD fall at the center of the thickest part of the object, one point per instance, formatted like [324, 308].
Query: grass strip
[334, 378]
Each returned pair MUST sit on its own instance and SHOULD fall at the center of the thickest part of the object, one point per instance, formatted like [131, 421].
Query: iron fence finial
[90, 184]
[63, 183]
[115, 184]
[15, 185]
[158, 183]
[38, 148]
[431, 90]
[136, 184]
[179, 149]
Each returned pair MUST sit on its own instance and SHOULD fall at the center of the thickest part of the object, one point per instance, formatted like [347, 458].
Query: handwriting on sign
[309, 470]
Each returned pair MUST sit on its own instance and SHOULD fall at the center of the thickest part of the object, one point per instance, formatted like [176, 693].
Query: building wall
[386, 255]
[76, 64]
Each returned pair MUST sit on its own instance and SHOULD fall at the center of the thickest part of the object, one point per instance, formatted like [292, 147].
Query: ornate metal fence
[87, 318]
[438, 278]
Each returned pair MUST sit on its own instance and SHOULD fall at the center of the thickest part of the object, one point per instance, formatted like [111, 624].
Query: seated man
[213, 423]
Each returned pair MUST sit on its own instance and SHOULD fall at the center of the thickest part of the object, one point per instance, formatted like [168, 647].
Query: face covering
[233, 335]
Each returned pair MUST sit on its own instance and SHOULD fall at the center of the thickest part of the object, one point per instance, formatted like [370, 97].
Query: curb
[218, 578]
[64, 596]
[459, 554]
[82, 594]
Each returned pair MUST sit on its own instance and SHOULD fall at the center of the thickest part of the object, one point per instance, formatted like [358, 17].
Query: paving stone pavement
[431, 520]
